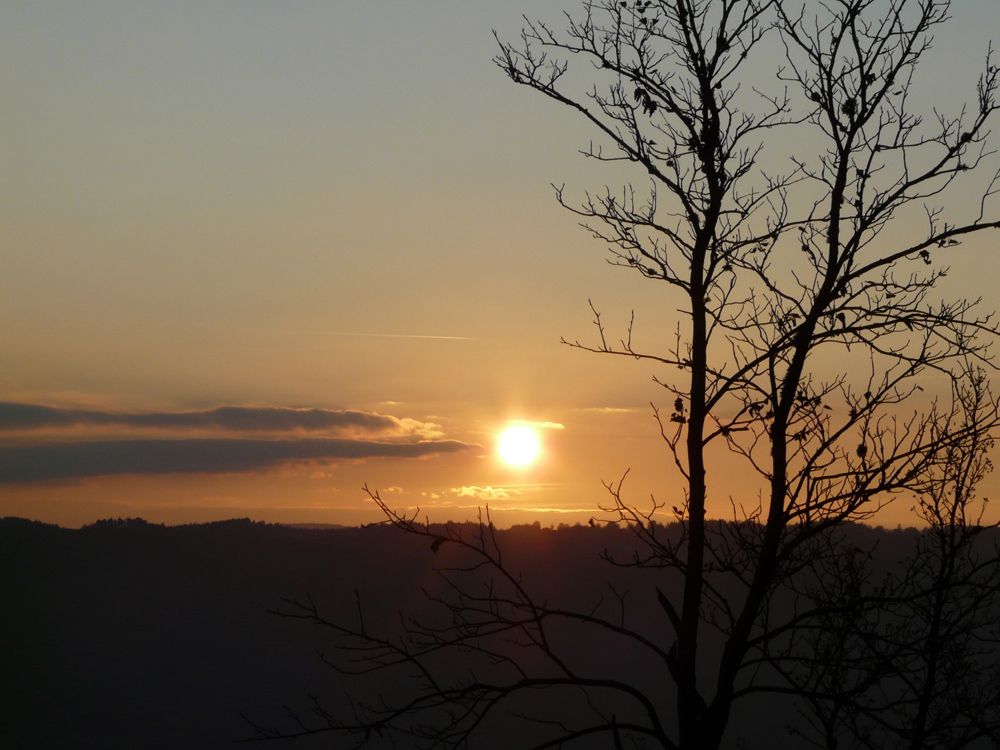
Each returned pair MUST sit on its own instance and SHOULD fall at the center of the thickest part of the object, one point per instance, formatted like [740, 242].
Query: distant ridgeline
[128, 634]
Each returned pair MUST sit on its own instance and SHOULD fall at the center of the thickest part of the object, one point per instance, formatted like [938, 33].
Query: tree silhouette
[814, 344]
[910, 661]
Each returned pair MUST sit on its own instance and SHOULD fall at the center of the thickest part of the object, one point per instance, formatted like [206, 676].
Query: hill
[126, 634]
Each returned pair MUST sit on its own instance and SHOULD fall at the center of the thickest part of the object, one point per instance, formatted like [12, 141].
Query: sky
[257, 256]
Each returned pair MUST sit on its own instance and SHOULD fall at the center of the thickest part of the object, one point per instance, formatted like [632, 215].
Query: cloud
[51, 461]
[485, 493]
[18, 416]
[403, 336]
[538, 425]
[426, 430]
[590, 510]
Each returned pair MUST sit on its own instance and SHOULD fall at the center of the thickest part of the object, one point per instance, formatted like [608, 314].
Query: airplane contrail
[404, 336]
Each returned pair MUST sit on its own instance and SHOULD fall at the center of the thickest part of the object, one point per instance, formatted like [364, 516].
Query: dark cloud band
[37, 463]
[15, 416]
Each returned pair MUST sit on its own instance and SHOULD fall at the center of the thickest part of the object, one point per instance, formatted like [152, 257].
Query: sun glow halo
[518, 446]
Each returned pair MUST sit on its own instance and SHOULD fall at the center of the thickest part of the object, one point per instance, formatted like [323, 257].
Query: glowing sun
[518, 446]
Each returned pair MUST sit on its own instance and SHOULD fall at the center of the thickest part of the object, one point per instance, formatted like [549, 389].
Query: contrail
[405, 336]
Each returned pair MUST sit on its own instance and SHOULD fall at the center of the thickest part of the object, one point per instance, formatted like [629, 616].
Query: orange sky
[337, 211]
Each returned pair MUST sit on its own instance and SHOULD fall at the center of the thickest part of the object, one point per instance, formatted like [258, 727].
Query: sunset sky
[257, 255]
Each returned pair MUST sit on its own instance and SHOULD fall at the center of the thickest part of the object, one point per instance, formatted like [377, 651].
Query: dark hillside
[132, 635]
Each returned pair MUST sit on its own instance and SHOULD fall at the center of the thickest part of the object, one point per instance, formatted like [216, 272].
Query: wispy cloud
[606, 409]
[404, 336]
[537, 425]
[51, 461]
[42, 443]
[485, 493]
[545, 509]
[19, 416]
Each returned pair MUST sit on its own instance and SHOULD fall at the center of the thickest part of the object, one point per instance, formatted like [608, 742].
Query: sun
[518, 446]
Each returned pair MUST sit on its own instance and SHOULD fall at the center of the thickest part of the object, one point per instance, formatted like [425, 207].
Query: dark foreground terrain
[133, 635]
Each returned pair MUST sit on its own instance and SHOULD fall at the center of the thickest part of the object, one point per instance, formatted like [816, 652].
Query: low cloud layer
[21, 417]
[485, 493]
[52, 461]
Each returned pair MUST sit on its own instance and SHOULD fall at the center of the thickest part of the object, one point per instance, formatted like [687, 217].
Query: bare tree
[812, 331]
[914, 663]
